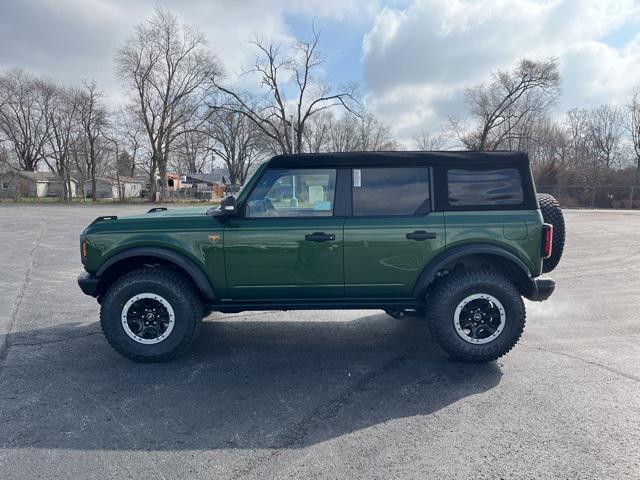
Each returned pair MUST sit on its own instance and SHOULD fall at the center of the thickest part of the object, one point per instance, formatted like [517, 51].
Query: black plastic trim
[397, 158]
[343, 200]
[88, 284]
[188, 265]
[102, 218]
[421, 235]
[432, 190]
[541, 289]
[430, 272]
[327, 304]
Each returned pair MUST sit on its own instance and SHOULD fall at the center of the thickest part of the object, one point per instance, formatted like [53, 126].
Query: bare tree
[343, 134]
[64, 118]
[593, 140]
[93, 122]
[633, 124]
[125, 164]
[373, 135]
[550, 148]
[426, 141]
[605, 129]
[24, 116]
[169, 70]
[317, 133]
[237, 141]
[577, 127]
[4, 159]
[191, 152]
[501, 108]
[114, 149]
[282, 120]
[132, 136]
[348, 133]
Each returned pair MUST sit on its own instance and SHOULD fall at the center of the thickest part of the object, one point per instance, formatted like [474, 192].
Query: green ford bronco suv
[456, 237]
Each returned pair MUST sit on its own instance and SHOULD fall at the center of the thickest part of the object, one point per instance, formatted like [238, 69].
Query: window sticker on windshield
[316, 193]
[357, 178]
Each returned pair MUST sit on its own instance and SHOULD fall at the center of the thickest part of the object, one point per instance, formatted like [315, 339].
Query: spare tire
[552, 213]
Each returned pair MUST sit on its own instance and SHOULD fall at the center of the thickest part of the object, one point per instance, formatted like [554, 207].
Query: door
[287, 243]
[392, 233]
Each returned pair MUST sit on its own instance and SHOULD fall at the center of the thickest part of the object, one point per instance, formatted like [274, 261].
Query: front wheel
[151, 315]
[476, 315]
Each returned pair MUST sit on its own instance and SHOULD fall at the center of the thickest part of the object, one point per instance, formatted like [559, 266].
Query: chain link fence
[600, 196]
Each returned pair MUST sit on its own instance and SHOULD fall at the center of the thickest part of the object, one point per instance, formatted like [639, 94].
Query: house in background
[173, 182]
[207, 185]
[33, 184]
[114, 188]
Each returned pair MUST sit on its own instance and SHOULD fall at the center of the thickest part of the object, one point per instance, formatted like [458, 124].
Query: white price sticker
[357, 178]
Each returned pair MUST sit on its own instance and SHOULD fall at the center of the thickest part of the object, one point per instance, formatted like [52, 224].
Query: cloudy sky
[414, 58]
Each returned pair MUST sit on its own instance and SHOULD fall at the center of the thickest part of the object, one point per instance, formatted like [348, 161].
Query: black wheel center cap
[477, 317]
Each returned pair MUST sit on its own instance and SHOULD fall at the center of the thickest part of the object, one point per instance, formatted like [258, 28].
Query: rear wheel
[151, 315]
[476, 315]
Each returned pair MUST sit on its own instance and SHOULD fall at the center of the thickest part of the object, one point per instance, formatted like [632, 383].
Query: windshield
[244, 189]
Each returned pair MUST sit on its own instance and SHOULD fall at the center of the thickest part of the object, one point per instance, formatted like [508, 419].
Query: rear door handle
[319, 237]
[421, 235]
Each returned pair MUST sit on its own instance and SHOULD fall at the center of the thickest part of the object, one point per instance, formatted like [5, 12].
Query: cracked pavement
[336, 394]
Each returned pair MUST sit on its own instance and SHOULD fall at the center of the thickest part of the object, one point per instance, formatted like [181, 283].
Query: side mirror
[228, 206]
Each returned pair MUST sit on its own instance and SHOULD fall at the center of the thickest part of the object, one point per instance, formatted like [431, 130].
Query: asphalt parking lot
[338, 394]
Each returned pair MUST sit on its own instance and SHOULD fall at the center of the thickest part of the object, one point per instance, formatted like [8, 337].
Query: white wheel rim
[467, 328]
[126, 320]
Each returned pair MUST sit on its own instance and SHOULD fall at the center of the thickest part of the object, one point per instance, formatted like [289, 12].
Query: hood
[170, 212]
[172, 218]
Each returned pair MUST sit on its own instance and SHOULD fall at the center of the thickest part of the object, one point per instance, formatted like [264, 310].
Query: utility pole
[292, 132]
[294, 200]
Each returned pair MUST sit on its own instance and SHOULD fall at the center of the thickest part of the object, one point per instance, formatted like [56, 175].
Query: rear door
[288, 242]
[392, 232]
[492, 204]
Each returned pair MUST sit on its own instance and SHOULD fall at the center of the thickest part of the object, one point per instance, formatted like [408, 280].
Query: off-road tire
[552, 213]
[177, 291]
[452, 290]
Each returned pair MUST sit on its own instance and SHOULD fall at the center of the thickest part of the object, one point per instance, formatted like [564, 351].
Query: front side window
[484, 187]
[293, 193]
[390, 191]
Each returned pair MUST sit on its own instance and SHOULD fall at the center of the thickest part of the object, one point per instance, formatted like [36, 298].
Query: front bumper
[541, 289]
[88, 284]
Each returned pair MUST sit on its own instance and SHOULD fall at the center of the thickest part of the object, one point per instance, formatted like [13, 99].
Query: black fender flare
[430, 272]
[185, 263]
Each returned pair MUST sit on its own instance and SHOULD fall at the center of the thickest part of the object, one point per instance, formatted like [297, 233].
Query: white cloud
[70, 40]
[418, 61]
[417, 58]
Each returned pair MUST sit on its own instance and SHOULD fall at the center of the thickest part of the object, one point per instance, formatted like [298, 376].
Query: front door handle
[319, 237]
[421, 235]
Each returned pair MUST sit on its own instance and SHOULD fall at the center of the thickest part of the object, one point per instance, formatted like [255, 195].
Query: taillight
[83, 248]
[547, 240]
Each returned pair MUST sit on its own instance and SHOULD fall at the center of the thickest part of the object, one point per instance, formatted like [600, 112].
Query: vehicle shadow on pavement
[247, 384]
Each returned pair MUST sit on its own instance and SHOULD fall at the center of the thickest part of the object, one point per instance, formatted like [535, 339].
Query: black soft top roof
[361, 159]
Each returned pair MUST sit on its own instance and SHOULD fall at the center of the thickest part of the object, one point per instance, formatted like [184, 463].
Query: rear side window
[390, 191]
[485, 187]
